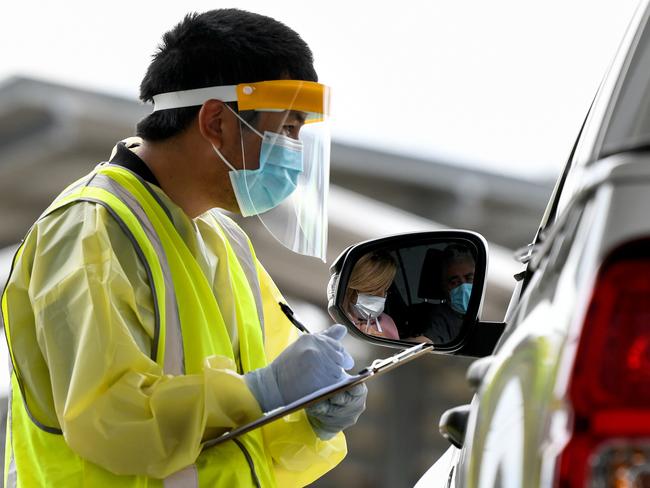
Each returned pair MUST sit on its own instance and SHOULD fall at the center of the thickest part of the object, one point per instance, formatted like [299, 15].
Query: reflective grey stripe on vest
[67, 192]
[185, 478]
[73, 188]
[239, 242]
[151, 191]
[173, 362]
[12, 474]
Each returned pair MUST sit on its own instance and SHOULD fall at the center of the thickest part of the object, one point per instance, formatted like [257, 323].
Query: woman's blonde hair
[373, 273]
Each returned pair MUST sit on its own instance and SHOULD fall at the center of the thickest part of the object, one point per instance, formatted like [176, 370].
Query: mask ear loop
[222, 157]
[241, 120]
[243, 155]
[241, 141]
[243, 152]
[377, 324]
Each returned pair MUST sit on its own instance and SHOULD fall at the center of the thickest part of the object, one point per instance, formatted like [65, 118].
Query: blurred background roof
[51, 134]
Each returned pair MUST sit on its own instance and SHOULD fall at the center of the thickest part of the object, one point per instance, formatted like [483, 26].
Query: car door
[518, 421]
[514, 407]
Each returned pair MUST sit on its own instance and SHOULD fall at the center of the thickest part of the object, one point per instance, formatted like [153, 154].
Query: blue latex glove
[312, 362]
[338, 412]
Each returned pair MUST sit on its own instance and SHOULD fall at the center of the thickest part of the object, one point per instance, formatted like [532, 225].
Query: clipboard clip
[378, 365]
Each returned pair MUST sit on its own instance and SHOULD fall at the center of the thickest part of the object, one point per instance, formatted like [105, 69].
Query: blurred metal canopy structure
[51, 134]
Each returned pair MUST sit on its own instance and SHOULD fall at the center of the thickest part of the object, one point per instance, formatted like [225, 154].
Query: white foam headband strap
[191, 98]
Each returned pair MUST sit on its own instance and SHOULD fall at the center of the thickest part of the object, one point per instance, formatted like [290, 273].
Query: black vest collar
[129, 160]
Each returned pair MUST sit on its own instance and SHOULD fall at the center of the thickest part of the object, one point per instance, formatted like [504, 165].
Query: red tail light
[610, 384]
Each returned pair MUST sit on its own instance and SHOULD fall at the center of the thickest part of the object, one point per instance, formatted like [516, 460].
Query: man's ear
[211, 122]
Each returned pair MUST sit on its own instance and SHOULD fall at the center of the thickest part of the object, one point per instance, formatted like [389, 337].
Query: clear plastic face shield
[285, 145]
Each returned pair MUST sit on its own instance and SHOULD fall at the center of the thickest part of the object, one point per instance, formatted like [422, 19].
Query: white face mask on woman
[370, 307]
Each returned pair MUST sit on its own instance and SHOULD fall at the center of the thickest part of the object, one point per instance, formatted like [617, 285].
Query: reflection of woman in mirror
[365, 296]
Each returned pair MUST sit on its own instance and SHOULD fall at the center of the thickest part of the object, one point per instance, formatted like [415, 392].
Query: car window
[629, 125]
[553, 207]
[608, 121]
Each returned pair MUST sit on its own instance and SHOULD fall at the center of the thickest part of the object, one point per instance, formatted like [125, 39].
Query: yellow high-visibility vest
[188, 329]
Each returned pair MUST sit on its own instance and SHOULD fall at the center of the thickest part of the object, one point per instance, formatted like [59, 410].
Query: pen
[292, 318]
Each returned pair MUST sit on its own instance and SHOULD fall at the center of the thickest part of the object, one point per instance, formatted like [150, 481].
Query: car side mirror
[411, 288]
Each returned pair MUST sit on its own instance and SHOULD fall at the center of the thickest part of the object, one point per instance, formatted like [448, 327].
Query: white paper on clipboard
[376, 368]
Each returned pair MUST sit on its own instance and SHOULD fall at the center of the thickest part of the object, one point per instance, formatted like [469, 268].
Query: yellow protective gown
[83, 288]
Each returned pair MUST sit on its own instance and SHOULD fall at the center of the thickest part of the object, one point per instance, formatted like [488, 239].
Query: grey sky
[502, 85]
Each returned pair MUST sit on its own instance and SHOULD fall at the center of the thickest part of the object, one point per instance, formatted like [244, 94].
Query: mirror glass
[419, 293]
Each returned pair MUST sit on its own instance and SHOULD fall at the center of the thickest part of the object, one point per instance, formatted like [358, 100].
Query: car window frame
[550, 213]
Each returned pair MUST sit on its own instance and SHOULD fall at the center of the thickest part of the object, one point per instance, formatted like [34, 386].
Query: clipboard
[376, 368]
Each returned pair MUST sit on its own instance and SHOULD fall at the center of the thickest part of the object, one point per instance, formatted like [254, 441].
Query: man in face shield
[139, 321]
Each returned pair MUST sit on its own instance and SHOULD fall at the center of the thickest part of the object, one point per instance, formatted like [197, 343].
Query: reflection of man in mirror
[366, 295]
[457, 276]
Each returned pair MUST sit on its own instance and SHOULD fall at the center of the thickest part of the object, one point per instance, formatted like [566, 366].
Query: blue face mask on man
[459, 297]
[280, 165]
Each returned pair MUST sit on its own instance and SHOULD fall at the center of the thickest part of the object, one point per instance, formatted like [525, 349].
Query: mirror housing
[413, 255]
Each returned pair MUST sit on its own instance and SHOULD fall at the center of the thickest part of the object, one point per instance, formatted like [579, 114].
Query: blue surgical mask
[459, 297]
[259, 190]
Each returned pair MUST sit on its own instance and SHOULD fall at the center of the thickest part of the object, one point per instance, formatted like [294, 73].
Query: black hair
[219, 47]
[454, 253]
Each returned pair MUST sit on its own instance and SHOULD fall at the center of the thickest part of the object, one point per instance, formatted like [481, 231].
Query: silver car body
[520, 418]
